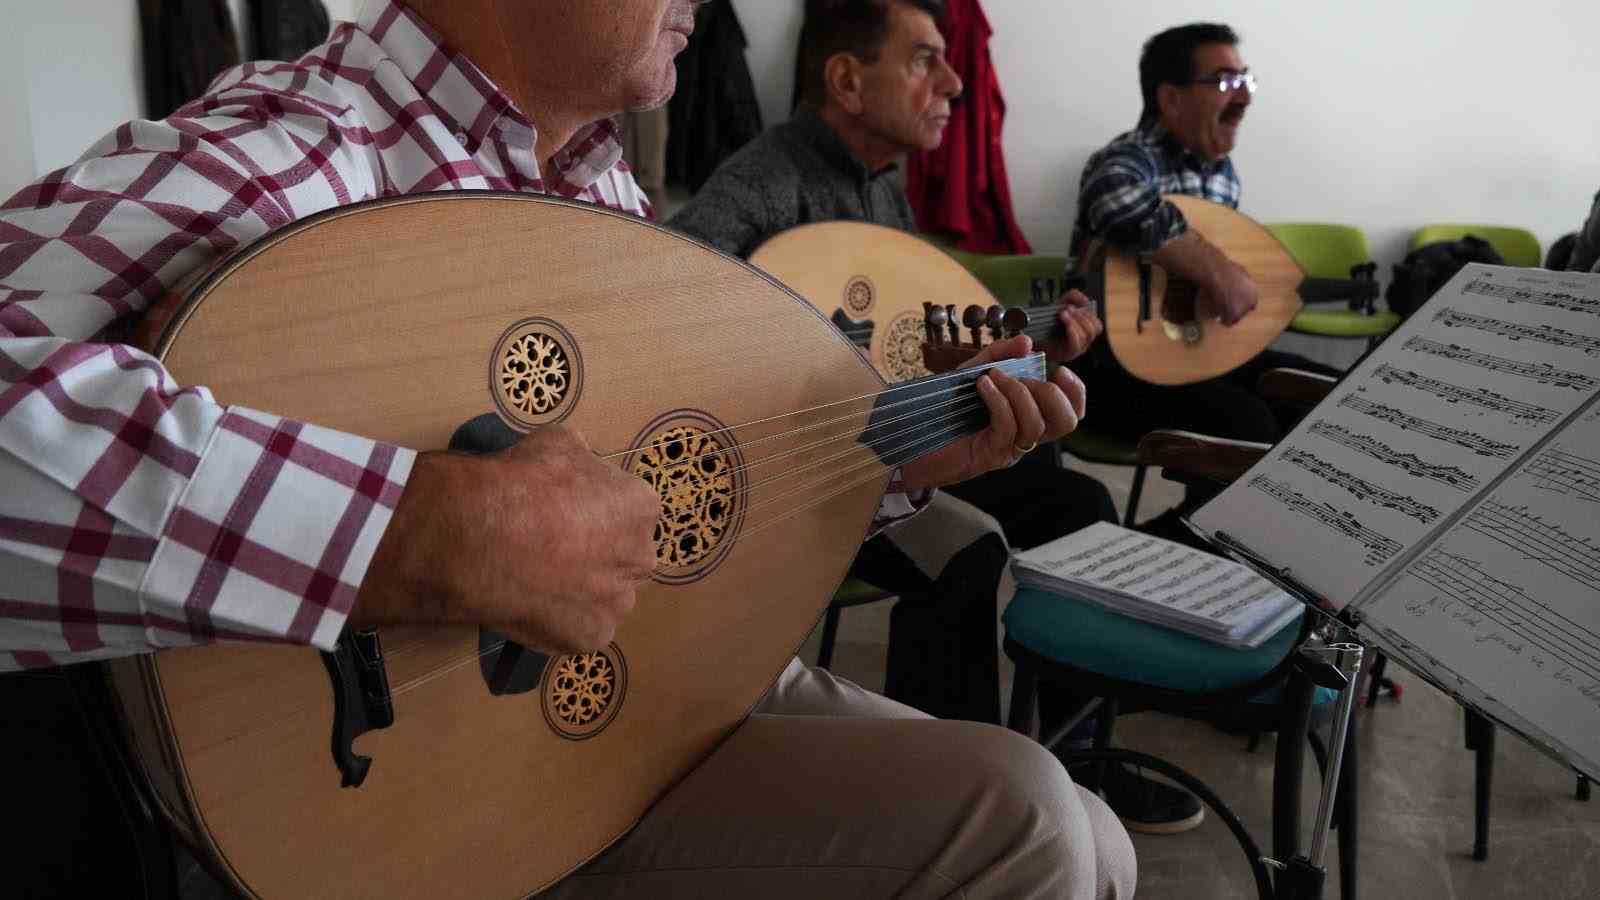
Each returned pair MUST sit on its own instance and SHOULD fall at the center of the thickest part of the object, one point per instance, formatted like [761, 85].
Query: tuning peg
[934, 319]
[952, 323]
[992, 319]
[1014, 320]
[972, 317]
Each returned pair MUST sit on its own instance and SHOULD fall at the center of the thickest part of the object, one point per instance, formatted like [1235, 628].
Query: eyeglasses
[1227, 81]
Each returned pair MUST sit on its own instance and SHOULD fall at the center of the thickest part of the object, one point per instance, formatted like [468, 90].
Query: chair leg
[1134, 493]
[830, 632]
[1102, 739]
[1581, 793]
[1375, 680]
[1024, 700]
[1480, 740]
[1288, 765]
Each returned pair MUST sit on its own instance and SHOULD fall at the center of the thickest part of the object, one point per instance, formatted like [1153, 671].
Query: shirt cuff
[898, 504]
[273, 534]
[1166, 225]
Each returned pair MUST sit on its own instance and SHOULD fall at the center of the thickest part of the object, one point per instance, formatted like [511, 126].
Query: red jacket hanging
[960, 189]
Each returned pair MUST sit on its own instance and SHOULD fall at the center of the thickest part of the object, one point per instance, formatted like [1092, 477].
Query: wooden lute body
[873, 283]
[1153, 325]
[401, 320]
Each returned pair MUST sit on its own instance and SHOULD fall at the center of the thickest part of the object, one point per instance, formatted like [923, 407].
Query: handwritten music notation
[1477, 443]
[1503, 613]
[1529, 535]
[1544, 334]
[1359, 487]
[1543, 373]
[1516, 410]
[1380, 548]
[1562, 472]
[1486, 288]
[1410, 463]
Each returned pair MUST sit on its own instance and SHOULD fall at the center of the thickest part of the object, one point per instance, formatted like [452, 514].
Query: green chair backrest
[968, 259]
[1323, 249]
[1011, 278]
[1517, 246]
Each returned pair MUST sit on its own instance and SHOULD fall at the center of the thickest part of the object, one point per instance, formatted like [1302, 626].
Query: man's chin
[655, 94]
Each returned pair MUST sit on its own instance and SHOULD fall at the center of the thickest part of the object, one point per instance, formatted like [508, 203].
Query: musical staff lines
[1486, 288]
[1562, 472]
[1516, 410]
[1543, 334]
[1359, 487]
[1410, 463]
[1483, 602]
[1543, 373]
[1529, 535]
[1478, 444]
[1380, 548]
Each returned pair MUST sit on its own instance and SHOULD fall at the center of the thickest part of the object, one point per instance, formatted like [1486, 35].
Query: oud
[418, 757]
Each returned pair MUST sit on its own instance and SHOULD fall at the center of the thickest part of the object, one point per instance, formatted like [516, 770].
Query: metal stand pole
[1302, 877]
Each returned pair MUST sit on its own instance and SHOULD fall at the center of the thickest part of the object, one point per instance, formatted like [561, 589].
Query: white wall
[70, 71]
[1382, 113]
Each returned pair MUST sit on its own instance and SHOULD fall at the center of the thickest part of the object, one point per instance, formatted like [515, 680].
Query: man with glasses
[1196, 91]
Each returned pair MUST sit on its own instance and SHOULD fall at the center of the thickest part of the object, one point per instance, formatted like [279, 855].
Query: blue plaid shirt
[1119, 196]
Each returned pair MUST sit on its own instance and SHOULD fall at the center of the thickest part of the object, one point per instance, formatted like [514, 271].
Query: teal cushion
[1086, 637]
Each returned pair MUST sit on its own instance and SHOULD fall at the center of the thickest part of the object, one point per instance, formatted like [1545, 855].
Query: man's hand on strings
[1023, 412]
[544, 541]
[1080, 325]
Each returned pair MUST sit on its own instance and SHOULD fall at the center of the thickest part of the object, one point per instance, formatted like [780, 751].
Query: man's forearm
[1194, 259]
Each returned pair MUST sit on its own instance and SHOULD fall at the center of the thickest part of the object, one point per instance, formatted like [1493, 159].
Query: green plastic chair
[1326, 250]
[853, 592]
[1517, 246]
[968, 259]
[1017, 281]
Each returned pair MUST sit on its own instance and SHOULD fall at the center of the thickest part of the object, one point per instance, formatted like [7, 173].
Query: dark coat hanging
[715, 110]
[286, 29]
[187, 43]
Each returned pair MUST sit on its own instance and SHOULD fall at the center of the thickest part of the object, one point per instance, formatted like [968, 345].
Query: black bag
[1427, 268]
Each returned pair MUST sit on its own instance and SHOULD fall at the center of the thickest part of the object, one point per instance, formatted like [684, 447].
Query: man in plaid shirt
[1197, 91]
[139, 514]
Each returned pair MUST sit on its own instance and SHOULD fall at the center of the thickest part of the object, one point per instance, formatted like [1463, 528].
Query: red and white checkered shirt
[138, 514]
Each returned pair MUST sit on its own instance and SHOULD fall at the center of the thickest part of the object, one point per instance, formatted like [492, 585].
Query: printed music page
[1485, 371]
[1507, 602]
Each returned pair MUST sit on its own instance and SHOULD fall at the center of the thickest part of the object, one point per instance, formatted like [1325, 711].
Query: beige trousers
[832, 791]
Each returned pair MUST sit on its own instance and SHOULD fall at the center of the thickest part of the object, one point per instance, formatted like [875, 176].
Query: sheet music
[1510, 594]
[1494, 362]
[1159, 581]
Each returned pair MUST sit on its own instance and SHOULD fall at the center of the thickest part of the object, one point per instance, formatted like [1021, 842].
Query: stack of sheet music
[1160, 582]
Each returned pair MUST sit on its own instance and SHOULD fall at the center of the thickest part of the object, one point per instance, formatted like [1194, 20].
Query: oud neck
[914, 418]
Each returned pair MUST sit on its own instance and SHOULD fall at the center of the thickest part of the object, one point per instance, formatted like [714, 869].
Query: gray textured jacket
[794, 174]
[1586, 252]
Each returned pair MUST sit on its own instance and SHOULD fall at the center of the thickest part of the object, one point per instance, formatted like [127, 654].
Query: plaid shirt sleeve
[1121, 197]
[136, 513]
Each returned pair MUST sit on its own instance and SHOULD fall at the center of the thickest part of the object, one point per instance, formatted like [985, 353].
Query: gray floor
[1416, 789]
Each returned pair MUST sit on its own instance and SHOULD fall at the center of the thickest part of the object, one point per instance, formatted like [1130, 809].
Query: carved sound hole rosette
[695, 466]
[902, 347]
[583, 691]
[858, 295]
[535, 373]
